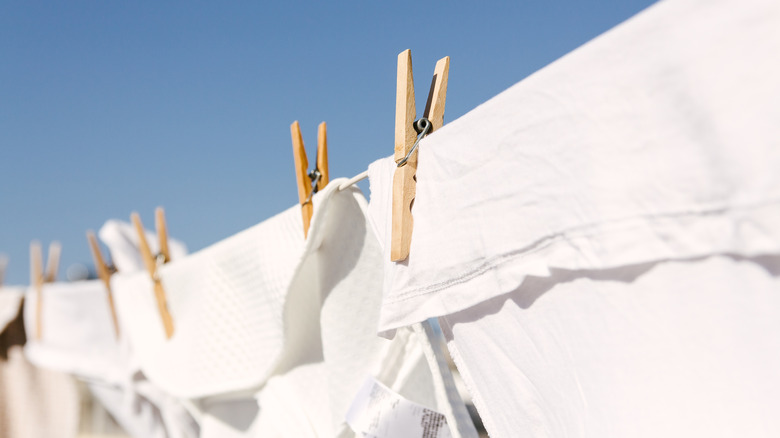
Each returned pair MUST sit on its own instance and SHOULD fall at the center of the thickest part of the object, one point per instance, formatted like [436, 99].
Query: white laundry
[227, 335]
[10, 303]
[77, 332]
[570, 233]
[274, 334]
[656, 140]
[337, 283]
[34, 402]
[141, 408]
[78, 338]
[673, 349]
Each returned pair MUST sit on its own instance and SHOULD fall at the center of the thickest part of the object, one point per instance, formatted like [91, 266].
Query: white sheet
[672, 349]
[659, 139]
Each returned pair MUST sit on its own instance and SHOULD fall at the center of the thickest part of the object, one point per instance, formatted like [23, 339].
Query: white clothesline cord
[354, 180]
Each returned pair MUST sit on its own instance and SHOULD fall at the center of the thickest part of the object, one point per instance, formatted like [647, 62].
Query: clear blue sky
[108, 107]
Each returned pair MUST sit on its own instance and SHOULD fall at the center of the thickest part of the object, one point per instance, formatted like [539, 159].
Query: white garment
[78, 338]
[331, 311]
[77, 332]
[227, 335]
[673, 349]
[659, 139]
[274, 334]
[10, 303]
[141, 408]
[655, 146]
[34, 402]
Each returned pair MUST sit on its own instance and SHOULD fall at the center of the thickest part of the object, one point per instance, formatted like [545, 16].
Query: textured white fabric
[10, 303]
[659, 139]
[227, 334]
[330, 312]
[673, 349]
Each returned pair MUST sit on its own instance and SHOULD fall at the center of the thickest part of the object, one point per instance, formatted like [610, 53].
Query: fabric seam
[549, 240]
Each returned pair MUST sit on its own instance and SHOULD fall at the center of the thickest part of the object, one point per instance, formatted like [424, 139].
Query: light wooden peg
[301, 176]
[38, 277]
[162, 233]
[404, 181]
[150, 261]
[104, 272]
[143, 244]
[437, 97]
[404, 184]
[322, 155]
[36, 280]
[53, 262]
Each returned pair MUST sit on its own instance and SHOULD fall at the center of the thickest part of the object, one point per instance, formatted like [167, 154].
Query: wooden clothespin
[406, 130]
[104, 272]
[309, 182]
[154, 262]
[38, 277]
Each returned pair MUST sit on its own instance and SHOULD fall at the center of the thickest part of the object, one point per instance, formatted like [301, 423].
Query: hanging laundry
[75, 341]
[143, 409]
[34, 402]
[656, 143]
[275, 333]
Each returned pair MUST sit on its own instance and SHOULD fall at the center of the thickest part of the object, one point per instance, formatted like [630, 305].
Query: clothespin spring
[159, 260]
[315, 176]
[423, 127]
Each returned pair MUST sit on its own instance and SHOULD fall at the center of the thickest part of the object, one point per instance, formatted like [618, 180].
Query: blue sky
[112, 107]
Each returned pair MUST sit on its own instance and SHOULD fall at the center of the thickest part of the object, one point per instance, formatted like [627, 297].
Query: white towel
[226, 303]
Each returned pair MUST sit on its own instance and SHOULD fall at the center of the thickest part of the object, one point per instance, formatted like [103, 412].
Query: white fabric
[77, 332]
[275, 334]
[674, 349]
[140, 407]
[449, 400]
[34, 402]
[659, 139]
[78, 338]
[10, 303]
[137, 416]
[227, 335]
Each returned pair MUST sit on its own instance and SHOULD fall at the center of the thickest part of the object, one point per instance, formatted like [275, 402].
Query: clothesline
[354, 180]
